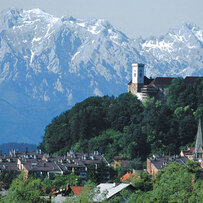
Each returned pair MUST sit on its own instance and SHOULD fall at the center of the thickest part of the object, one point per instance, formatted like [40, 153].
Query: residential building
[38, 167]
[44, 165]
[188, 153]
[119, 161]
[157, 163]
[8, 163]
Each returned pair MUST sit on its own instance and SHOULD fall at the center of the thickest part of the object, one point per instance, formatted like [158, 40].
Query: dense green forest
[127, 127]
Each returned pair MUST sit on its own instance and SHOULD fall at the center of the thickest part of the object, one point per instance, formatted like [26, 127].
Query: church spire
[199, 144]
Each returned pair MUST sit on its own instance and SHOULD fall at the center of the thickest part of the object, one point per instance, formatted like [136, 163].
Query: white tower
[138, 75]
[137, 80]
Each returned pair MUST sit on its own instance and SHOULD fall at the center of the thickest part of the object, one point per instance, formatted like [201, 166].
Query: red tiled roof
[53, 191]
[76, 190]
[189, 151]
[126, 176]
[191, 148]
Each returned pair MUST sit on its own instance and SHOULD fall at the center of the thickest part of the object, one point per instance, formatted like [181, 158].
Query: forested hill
[125, 126]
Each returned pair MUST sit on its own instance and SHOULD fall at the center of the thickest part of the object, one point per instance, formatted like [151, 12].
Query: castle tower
[138, 74]
[137, 79]
[198, 153]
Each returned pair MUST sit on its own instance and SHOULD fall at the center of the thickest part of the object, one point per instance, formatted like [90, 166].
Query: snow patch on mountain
[58, 86]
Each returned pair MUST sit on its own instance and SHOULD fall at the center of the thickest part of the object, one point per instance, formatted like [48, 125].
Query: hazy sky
[133, 17]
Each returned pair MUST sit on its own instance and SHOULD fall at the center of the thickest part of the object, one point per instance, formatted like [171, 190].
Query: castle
[144, 87]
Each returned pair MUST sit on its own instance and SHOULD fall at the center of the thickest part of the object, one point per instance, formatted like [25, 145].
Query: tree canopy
[125, 126]
[175, 183]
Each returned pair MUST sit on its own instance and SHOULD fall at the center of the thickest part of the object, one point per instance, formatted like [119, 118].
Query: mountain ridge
[47, 63]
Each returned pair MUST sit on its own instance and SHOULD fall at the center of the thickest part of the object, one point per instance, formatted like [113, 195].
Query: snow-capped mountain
[47, 64]
[178, 53]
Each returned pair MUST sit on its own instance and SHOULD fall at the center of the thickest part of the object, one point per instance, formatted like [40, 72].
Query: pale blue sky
[133, 17]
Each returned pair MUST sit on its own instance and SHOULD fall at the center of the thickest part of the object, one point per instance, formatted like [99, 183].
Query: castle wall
[135, 88]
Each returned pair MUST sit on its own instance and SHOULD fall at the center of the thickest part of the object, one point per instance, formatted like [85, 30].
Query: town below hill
[82, 177]
[114, 149]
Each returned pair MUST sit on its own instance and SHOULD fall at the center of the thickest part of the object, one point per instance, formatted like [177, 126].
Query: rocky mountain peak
[51, 63]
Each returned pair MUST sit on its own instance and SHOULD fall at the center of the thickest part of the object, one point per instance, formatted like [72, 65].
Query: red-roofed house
[188, 152]
[76, 190]
[126, 176]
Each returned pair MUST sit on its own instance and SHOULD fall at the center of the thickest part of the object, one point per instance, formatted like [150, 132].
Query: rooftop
[107, 190]
[126, 176]
[161, 161]
[77, 190]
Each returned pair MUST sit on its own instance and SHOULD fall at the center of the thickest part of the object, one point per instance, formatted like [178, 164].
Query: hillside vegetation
[125, 126]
